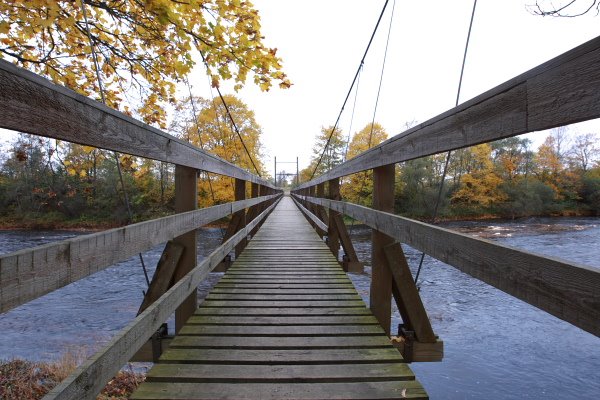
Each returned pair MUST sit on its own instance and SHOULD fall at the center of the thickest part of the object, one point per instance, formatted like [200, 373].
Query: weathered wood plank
[280, 373]
[33, 104]
[279, 330]
[281, 356]
[271, 342]
[276, 391]
[567, 290]
[275, 311]
[89, 378]
[286, 297]
[280, 303]
[282, 320]
[562, 91]
[30, 273]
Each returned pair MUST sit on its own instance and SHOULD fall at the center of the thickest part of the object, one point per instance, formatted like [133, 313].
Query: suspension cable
[352, 115]
[387, 42]
[194, 112]
[115, 154]
[448, 155]
[362, 61]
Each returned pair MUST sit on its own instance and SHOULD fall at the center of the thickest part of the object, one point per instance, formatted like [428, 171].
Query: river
[496, 347]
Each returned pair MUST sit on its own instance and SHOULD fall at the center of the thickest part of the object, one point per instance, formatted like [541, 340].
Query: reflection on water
[498, 347]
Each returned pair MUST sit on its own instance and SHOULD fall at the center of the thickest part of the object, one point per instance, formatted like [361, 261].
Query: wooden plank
[163, 275]
[272, 391]
[275, 311]
[186, 199]
[55, 265]
[567, 290]
[381, 277]
[319, 225]
[280, 303]
[267, 291]
[240, 194]
[90, 377]
[282, 320]
[33, 104]
[278, 330]
[562, 91]
[282, 356]
[280, 373]
[286, 297]
[280, 342]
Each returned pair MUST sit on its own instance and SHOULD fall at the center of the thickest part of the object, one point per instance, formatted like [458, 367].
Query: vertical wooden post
[332, 233]
[381, 277]
[240, 194]
[320, 209]
[310, 206]
[186, 199]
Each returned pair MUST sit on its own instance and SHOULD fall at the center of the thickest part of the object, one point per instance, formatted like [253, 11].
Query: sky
[321, 44]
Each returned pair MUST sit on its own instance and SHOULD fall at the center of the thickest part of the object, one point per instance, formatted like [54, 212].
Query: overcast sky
[321, 43]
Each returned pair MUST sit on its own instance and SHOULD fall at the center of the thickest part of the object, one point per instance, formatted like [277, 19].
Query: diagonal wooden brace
[419, 341]
[351, 262]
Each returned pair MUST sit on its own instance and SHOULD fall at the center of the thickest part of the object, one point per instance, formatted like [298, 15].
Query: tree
[143, 47]
[584, 151]
[564, 8]
[480, 188]
[212, 131]
[329, 157]
[358, 188]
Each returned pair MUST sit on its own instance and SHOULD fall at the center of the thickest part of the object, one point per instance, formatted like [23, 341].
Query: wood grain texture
[30, 273]
[33, 104]
[89, 379]
[562, 91]
[567, 290]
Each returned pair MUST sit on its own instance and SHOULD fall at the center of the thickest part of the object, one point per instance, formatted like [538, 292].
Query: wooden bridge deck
[284, 322]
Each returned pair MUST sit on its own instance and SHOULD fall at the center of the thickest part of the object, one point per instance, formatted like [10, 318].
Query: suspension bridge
[285, 321]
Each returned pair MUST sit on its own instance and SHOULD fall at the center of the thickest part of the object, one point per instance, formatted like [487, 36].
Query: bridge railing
[562, 91]
[32, 104]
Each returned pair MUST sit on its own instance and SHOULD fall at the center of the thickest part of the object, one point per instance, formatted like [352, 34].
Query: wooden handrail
[30, 273]
[562, 288]
[91, 377]
[559, 92]
[33, 104]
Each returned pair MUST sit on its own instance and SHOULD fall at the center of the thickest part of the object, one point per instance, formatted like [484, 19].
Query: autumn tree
[144, 47]
[358, 188]
[481, 186]
[212, 130]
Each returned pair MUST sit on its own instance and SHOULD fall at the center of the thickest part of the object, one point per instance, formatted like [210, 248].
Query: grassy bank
[28, 380]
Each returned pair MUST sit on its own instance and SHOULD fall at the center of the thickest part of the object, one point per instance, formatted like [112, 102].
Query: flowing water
[496, 347]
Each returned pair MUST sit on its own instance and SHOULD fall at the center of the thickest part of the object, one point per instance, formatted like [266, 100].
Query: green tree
[330, 157]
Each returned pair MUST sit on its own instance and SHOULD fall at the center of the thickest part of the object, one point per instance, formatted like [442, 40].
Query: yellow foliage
[141, 44]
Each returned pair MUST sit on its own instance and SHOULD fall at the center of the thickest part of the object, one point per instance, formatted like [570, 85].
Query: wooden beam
[162, 279]
[381, 277]
[333, 237]
[91, 377]
[321, 213]
[33, 104]
[567, 290]
[346, 242]
[30, 273]
[186, 199]
[407, 296]
[562, 91]
[240, 194]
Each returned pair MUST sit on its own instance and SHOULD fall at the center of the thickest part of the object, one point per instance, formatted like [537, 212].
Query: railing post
[186, 199]
[320, 209]
[240, 194]
[381, 277]
[332, 233]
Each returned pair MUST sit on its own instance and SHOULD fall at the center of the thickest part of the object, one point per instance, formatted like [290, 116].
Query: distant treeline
[506, 178]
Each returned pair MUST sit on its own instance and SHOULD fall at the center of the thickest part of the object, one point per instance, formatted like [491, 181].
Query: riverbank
[29, 380]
